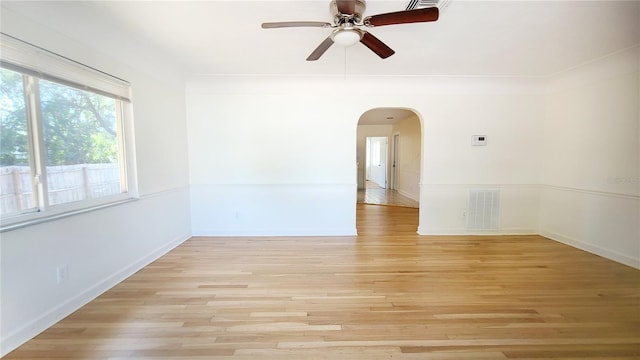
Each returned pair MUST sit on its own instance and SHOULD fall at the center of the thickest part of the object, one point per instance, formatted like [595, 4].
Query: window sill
[22, 221]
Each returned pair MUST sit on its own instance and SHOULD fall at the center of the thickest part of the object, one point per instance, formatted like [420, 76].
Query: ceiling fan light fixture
[347, 37]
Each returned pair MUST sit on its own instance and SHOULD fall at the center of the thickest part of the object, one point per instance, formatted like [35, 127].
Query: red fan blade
[273, 25]
[376, 45]
[403, 17]
[326, 44]
[346, 7]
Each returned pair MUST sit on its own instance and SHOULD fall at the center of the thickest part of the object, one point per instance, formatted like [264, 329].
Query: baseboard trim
[274, 232]
[18, 337]
[410, 196]
[594, 249]
[463, 232]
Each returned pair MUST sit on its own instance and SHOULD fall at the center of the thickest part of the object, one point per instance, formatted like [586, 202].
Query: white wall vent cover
[484, 210]
[419, 4]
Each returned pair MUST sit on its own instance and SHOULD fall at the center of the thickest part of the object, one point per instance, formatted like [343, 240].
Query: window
[65, 136]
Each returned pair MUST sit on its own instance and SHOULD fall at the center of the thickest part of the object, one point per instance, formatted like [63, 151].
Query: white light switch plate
[479, 140]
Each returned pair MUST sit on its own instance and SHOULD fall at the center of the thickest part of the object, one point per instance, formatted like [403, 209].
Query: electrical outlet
[62, 274]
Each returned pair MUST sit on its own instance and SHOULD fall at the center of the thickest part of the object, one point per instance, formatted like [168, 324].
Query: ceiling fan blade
[377, 46]
[403, 17]
[326, 44]
[285, 24]
[346, 6]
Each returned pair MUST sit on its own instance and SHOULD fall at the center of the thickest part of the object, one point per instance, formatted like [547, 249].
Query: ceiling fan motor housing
[340, 18]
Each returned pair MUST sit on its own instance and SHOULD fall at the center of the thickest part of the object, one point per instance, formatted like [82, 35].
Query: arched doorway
[389, 150]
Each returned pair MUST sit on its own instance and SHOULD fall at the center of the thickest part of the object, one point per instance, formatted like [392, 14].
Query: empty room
[346, 179]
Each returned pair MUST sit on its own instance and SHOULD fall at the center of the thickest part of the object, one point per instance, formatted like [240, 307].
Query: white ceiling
[477, 38]
[471, 38]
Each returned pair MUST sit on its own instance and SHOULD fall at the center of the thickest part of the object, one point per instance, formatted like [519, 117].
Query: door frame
[395, 141]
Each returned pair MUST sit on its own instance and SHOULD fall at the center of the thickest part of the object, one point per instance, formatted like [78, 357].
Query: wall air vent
[484, 210]
[419, 4]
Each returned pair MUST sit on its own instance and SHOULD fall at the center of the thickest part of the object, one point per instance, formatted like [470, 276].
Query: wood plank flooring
[386, 294]
[374, 194]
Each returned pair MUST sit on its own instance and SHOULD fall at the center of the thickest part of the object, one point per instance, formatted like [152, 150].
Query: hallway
[377, 195]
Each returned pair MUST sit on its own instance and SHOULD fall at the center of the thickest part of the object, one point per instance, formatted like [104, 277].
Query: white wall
[409, 156]
[591, 173]
[273, 133]
[269, 159]
[512, 122]
[102, 247]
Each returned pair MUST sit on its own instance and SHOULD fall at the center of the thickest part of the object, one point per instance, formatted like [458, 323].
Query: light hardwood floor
[375, 194]
[386, 294]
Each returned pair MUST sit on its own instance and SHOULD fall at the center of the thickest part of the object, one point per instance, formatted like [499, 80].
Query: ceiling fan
[348, 22]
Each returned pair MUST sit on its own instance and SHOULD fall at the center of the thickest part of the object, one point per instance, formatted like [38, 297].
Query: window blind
[27, 58]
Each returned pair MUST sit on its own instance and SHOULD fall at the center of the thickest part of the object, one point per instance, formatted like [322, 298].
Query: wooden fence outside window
[65, 183]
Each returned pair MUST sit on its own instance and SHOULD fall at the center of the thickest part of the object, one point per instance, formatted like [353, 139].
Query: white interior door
[378, 160]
